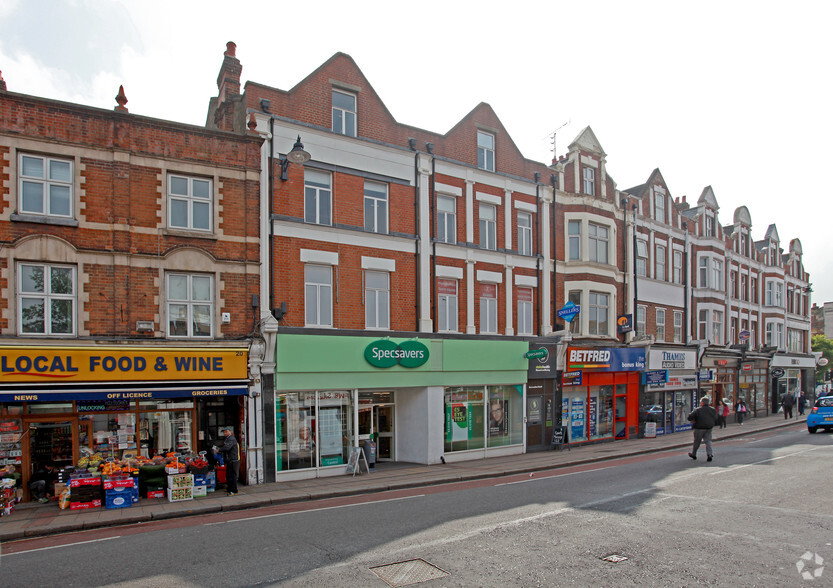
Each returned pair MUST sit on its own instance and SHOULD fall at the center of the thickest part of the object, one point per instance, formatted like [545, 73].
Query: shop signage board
[385, 353]
[121, 394]
[778, 372]
[705, 375]
[542, 366]
[66, 365]
[624, 323]
[560, 437]
[676, 382]
[536, 354]
[744, 336]
[676, 359]
[606, 359]
[655, 377]
[571, 378]
[569, 311]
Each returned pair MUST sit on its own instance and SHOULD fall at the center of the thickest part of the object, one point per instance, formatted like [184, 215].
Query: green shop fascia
[420, 399]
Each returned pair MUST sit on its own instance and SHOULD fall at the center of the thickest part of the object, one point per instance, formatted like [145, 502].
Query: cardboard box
[156, 493]
[119, 500]
[109, 484]
[59, 487]
[83, 505]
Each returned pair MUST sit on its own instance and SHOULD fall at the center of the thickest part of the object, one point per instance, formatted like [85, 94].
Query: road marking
[58, 546]
[746, 465]
[545, 477]
[280, 514]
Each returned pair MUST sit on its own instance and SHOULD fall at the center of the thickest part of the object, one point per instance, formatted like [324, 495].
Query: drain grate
[614, 558]
[405, 573]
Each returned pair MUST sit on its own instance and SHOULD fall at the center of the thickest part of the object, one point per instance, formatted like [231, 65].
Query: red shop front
[600, 392]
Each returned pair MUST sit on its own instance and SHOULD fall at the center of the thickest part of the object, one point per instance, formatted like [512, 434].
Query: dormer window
[659, 207]
[485, 151]
[589, 177]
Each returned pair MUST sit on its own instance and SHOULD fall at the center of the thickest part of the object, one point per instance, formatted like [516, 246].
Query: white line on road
[746, 465]
[533, 479]
[58, 546]
[280, 514]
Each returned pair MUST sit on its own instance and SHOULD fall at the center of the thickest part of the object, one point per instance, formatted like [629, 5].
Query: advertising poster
[592, 415]
[565, 412]
[330, 436]
[577, 422]
[459, 422]
[498, 417]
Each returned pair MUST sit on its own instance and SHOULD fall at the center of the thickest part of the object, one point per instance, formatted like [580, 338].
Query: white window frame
[446, 219]
[524, 233]
[47, 181]
[575, 297]
[659, 207]
[588, 175]
[703, 272]
[574, 240]
[318, 296]
[447, 305]
[486, 151]
[191, 201]
[677, 267]
[678, 326]
[49, 301]
[376, 300]
[488, 227]
[641, 322]
[320, 194]
[660, 336]
[641, 257]
[488, 310]
[702, 324]
[190, 304]
[769, 297]
[348, 116]
[660, 262]
[717, 274]
[717, 327]
[525, 314]
[376, 207]
[597, 243]
[597, 326]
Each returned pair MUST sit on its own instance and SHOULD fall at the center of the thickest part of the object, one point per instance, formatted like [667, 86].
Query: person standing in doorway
[703, 420]
[741, 410]
[802, 403]
[231, 454]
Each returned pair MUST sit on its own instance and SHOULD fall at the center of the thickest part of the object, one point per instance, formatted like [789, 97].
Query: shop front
[600, 392]
[541, 397]
[792, 374]
[670, 399]
[61, 404]
[412, 400]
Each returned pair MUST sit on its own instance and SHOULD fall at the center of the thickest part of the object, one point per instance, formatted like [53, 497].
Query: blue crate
[119, 500]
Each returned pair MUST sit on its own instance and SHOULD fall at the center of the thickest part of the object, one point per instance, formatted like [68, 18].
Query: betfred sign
[605, 359]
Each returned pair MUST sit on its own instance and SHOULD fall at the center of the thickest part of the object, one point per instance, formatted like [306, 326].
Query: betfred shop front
[600, 392]
[61, 404]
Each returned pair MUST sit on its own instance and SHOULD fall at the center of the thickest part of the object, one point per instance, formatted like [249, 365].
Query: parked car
[821, 416]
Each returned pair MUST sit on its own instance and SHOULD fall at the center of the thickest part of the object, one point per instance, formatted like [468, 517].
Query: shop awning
[123, 394]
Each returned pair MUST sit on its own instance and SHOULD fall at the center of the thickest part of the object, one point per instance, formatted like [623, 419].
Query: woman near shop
[722, 413]
[741, 410]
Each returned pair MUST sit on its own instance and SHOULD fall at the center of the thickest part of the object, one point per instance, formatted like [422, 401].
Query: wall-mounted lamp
[429, 147]
[537, 176]
[412, 143]
[297, 156]
[280, 312]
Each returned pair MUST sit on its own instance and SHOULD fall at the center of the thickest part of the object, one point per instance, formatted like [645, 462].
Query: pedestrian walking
[741, 410]
[703, 420]
[231, 454]
[722, 413]
[787, 403]
[802, 403]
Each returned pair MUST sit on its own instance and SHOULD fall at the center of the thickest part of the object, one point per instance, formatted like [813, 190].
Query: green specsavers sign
[385, 353]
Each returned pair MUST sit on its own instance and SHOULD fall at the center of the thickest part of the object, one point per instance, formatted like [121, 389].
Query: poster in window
[498, 417]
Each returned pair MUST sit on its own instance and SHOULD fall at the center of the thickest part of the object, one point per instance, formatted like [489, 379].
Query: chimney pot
[231, 49]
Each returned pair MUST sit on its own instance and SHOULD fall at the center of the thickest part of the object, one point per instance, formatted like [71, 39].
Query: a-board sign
[354, 463]
[560, 436]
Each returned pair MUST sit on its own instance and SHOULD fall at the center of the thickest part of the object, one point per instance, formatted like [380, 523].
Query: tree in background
[825, 345]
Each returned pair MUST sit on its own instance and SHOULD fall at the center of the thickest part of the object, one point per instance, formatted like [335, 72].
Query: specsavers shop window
[313, 429]
[483, 416]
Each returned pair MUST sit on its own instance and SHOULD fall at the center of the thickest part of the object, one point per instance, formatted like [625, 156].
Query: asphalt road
[746, 519]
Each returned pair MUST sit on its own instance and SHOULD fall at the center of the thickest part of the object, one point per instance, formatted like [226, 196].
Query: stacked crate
[84, 491]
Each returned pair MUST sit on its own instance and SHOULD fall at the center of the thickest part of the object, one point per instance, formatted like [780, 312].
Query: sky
[734, 95]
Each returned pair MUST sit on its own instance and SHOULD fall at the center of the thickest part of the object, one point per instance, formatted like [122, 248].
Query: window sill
[210, 236]
[43, 220]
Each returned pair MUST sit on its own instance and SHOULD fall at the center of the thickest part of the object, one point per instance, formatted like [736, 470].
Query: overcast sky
[735, 95]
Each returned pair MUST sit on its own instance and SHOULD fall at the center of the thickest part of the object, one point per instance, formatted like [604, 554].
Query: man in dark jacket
[787, 402]
[231, 454]
[703, 420]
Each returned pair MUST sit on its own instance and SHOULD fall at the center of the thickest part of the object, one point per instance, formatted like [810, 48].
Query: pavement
[38, 520]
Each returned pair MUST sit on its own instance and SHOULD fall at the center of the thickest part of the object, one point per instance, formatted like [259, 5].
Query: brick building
[130, 277]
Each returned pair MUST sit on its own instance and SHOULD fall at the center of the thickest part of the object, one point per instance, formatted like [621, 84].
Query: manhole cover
[614, 558]
[405, 573]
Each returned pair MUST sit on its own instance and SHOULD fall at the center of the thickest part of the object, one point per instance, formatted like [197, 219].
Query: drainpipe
[554, 184]
[635, 278]
[624, 257]
[412, 143]
[271, 208]
[539, 248]
[432, 195]
[685, 287]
